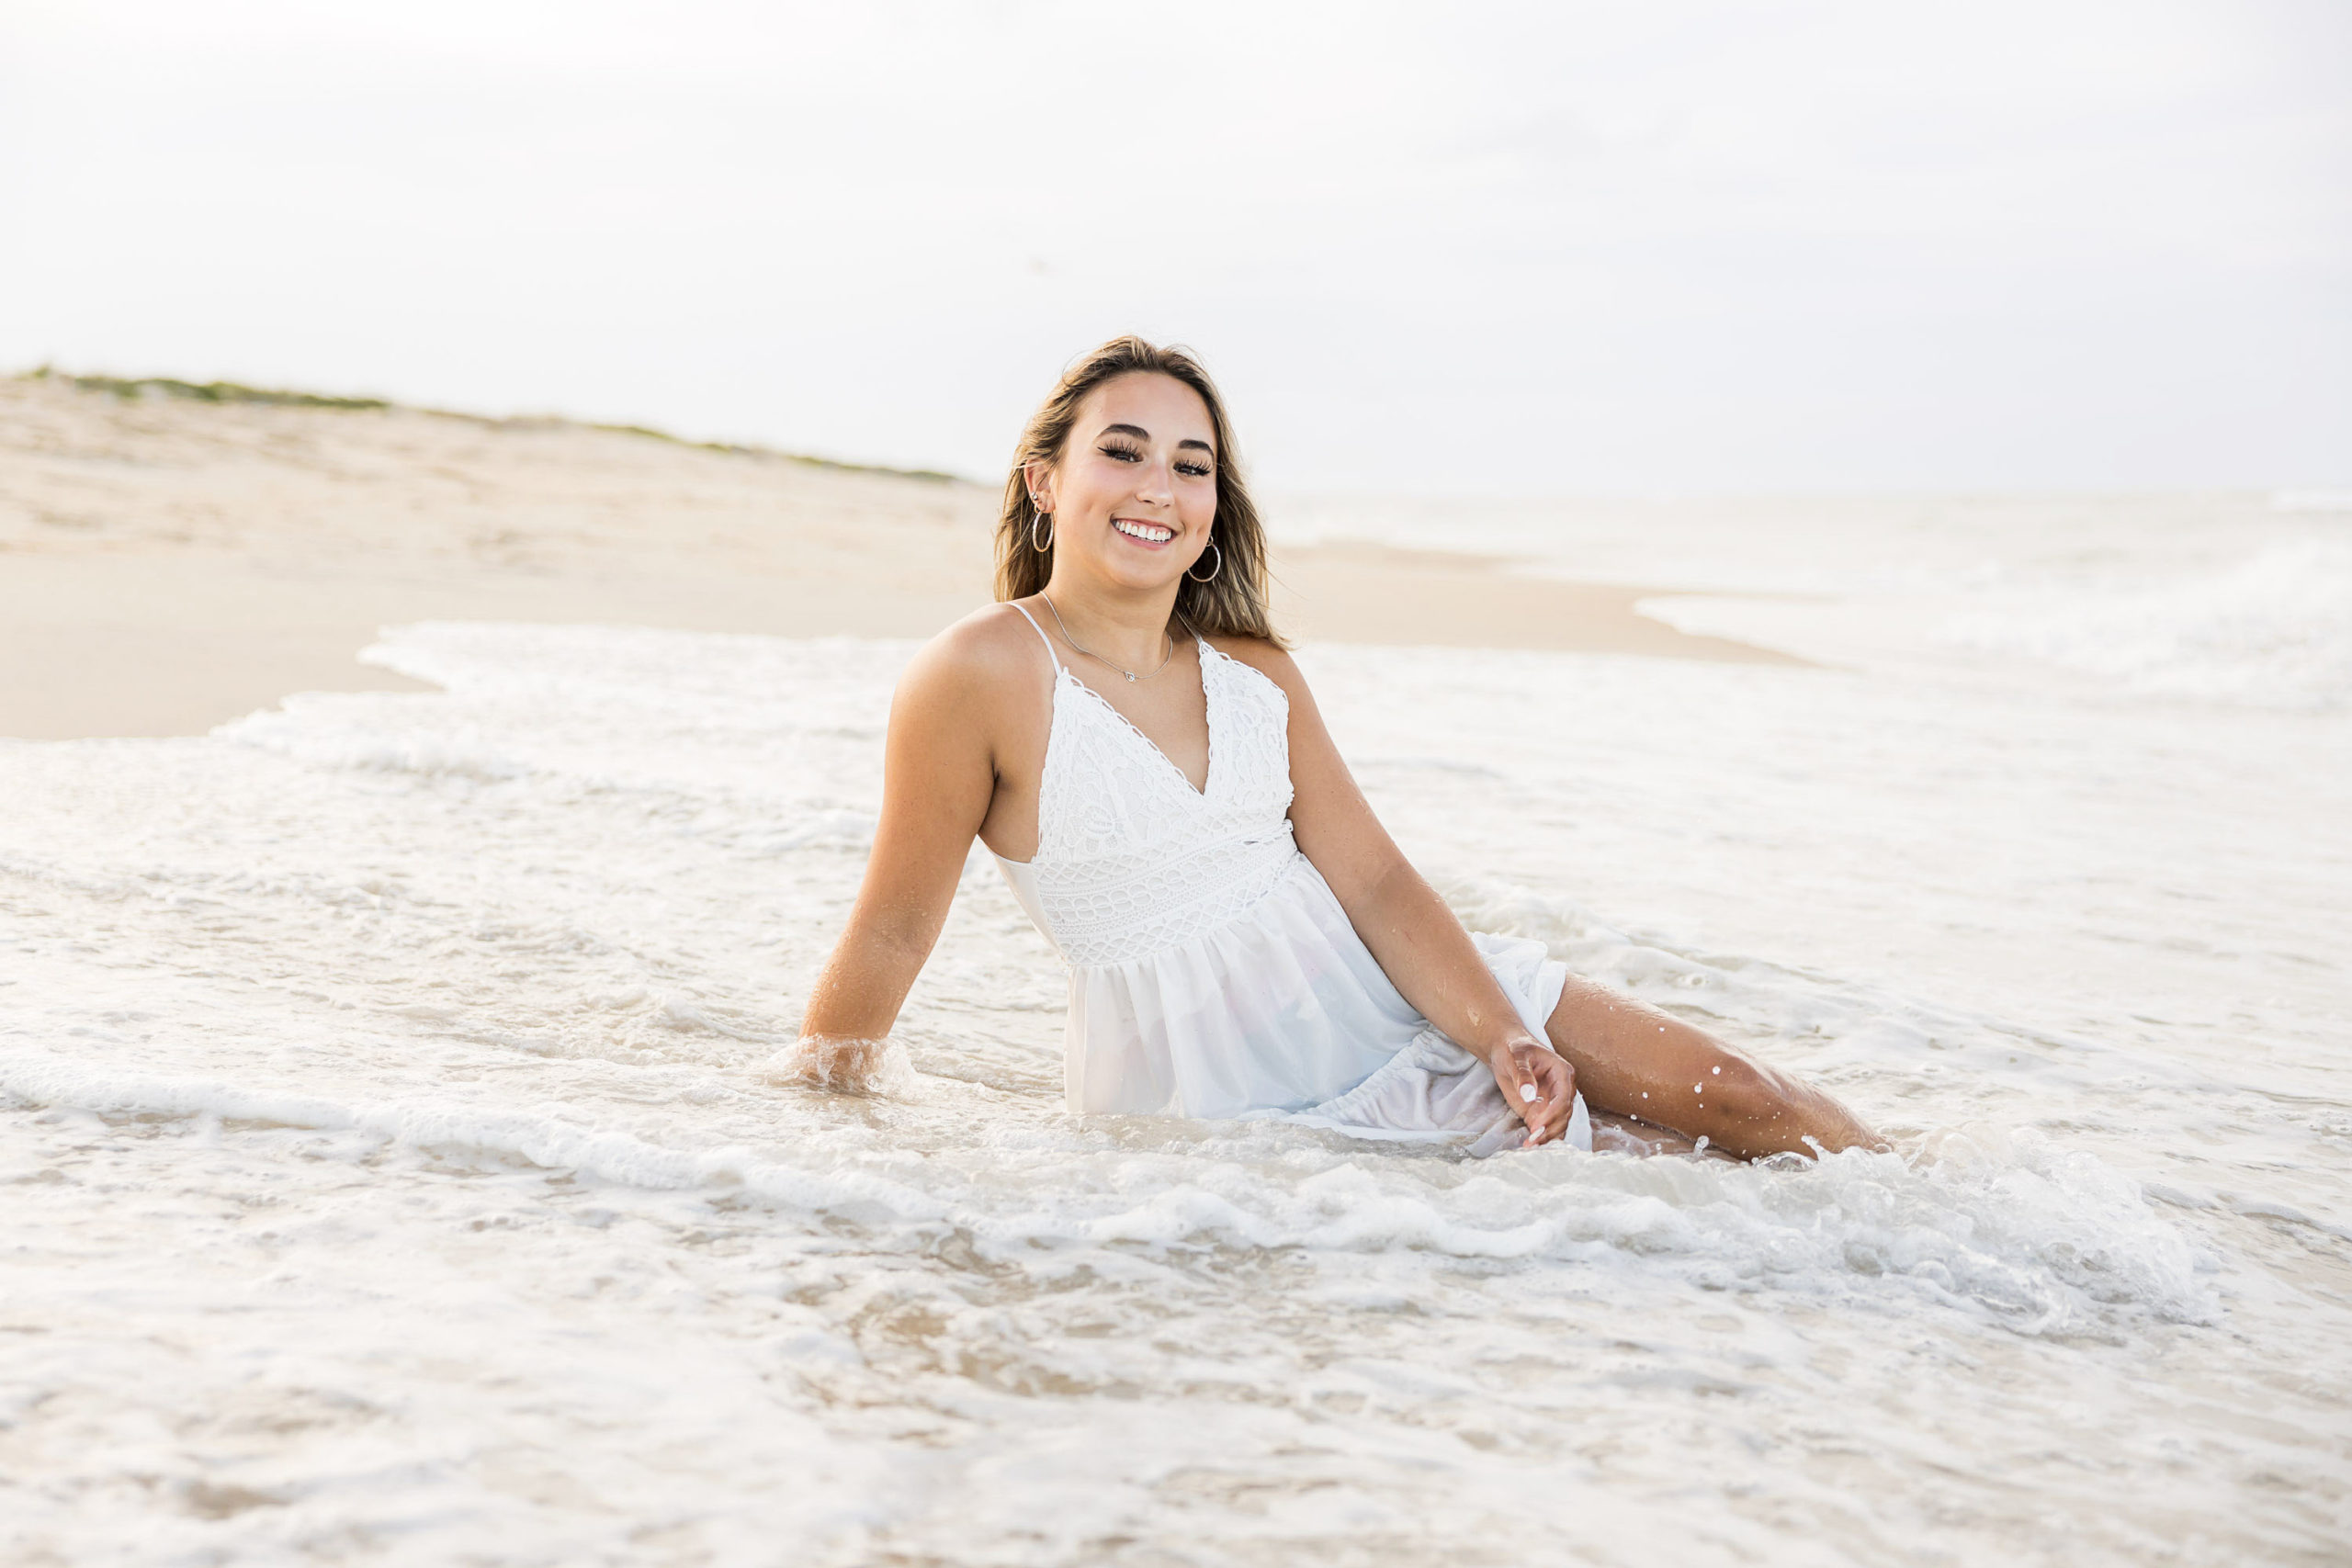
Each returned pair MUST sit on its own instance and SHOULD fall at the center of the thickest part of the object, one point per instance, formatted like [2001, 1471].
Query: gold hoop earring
[1047, 519]
[1214, 570]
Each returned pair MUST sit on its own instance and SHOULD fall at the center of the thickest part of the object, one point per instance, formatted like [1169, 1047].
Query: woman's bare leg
[1636, 1061]
[1615, 1134]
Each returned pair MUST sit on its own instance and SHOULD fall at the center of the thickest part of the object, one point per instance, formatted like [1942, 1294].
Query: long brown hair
[1231, 605]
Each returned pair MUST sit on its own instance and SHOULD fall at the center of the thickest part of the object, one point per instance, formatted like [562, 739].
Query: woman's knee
[1748, 1093]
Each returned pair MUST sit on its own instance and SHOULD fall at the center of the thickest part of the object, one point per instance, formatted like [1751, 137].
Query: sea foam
[386, 1095]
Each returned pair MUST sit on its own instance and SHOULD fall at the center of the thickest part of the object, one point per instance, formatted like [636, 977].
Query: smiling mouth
[1150, 533]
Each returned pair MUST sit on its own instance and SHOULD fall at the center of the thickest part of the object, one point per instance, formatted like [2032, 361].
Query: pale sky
[1475, 249]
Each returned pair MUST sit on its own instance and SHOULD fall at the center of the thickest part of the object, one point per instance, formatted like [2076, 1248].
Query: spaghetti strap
[1059, 668]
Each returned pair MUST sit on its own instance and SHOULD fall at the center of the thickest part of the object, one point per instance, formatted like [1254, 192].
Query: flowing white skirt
[1284, 1013]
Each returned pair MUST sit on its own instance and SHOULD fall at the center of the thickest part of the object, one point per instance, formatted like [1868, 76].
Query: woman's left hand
[1523, 1066]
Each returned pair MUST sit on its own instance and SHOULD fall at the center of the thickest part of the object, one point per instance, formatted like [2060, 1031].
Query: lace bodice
[1131, 858]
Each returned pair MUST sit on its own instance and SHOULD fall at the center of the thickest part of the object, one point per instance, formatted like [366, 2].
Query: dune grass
[203, 392]
[132, 387]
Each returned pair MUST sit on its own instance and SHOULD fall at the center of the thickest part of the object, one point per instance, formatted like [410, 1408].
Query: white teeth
[1157, 534]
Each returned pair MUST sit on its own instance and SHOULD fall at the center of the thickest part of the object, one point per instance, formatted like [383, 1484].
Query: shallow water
[388, 1174]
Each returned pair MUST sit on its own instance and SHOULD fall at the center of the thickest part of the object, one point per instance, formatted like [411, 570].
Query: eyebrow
[1137, 430]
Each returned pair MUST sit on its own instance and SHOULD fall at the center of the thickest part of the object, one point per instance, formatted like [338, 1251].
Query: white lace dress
[1212, 970]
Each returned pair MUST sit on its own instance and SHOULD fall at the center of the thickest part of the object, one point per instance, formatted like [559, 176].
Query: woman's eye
[1198, 470]
[1124, 454]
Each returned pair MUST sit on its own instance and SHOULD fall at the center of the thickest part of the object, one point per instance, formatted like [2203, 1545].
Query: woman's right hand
[825, 1061]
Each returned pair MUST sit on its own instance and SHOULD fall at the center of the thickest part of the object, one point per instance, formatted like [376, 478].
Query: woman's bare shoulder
[989, 658]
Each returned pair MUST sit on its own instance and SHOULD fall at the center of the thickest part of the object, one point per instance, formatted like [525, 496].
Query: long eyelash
[1135, 454]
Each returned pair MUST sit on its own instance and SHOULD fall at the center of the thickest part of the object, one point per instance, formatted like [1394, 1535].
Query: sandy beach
[169, 562]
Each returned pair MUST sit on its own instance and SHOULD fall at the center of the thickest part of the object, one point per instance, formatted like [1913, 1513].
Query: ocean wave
[2009, 1225]
[2273, 631]
[403, 1053]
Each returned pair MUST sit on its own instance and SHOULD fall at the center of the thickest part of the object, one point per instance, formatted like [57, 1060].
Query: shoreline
[169, 562]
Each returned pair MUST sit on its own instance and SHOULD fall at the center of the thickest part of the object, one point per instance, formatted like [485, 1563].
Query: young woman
[1129, 735]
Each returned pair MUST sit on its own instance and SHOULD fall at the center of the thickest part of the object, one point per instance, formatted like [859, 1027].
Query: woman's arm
[938, 778]
[1418, 940]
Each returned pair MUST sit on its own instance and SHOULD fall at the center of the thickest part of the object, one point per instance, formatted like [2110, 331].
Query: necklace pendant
[1131, 680]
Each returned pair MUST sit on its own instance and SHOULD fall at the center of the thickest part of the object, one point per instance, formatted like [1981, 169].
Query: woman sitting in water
[1129, 735]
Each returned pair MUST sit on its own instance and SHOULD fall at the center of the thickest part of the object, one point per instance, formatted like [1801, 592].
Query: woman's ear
[1038, 475]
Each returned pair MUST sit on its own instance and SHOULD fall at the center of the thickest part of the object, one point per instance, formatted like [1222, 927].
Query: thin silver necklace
[1099, 658]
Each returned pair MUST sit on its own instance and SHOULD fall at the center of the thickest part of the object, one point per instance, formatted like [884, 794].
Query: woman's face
[1135, 491]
